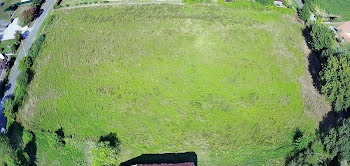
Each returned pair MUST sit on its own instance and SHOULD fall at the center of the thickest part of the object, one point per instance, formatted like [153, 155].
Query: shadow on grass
[31, 150]
[169, 158]
[314, 65]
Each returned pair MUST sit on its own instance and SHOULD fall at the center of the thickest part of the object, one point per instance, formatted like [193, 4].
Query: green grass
[221, 81]
[337, 7]
[20, 10]
[4, 45]
[5, 15]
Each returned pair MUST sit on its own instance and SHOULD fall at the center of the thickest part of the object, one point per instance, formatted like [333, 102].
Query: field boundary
[119, 4]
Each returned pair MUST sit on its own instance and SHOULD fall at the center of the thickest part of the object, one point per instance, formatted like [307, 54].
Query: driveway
[47, 7]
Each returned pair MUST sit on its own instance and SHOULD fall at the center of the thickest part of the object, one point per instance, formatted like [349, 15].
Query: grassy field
[5, 15]
[4, 45]
[337, 7]
[221, 81]
[67, 3]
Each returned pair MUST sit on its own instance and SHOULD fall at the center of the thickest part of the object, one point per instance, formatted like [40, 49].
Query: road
[299, 3]
[47, 7]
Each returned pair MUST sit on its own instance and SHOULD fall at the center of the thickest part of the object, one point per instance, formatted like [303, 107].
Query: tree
[335, 80]
[337, 141]
[305, 13]
[7, 154]
[322, 37]
[28, 15]
[25, 63]
[18, 37]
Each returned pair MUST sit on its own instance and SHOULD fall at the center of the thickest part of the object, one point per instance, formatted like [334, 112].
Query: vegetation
[335, 7]
[322, 37]
[335, 78]
[28, 16]
[6, 152]
[6, 46]
[210, 86]
[305, 13]
[5, 13]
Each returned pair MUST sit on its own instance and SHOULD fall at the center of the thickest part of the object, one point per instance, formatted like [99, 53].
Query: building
[165, 159]
[345, 31]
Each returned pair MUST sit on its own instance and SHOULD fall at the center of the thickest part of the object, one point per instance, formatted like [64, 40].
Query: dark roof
[177, 164]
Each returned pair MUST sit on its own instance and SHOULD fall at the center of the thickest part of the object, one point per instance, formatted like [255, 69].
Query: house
[165, 159]
[345, 31]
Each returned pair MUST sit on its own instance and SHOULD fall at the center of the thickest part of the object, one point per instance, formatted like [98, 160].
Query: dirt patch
[315, 104]
[26, 115]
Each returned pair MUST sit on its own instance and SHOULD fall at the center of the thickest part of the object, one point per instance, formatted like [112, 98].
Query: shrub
[27, 136]
[18, 37]
[28, 15]
[23, 79]
[8, 111]
[337, 141]
[322, 37]
[6, 152]
[335, 80]
[25, 63]
[35, 48]
[305, 13]
[104, 155]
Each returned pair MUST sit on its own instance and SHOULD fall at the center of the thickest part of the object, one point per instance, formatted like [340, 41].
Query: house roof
[345, 30]
[177, 164]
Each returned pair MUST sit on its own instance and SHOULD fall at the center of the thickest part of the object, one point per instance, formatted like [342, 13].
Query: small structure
[345, 31]
[1, 3]
[278, 3]
[166, 159]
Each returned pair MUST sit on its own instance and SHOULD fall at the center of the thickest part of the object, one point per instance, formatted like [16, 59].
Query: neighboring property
[11, 30]
[166, 159]
[345, 31]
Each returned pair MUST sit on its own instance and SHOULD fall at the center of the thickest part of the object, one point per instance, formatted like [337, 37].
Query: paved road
[299, 3]
[22, 53]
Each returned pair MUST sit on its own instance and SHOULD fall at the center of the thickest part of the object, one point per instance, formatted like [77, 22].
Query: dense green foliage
[209, 86]
[337, 141]
[7, 154]
[329, 148]
[305, 13]
[335, 78]
[322, 37]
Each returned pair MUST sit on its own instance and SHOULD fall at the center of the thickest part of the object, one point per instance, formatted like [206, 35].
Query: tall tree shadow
[314, 65]
[112, 140]
[31, 150]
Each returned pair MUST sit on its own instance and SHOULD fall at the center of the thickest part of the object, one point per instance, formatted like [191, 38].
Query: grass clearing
[5, 15]
[4, 45]
[337, 7]
[222, 81]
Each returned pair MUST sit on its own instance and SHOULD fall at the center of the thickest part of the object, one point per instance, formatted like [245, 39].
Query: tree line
[331, 146]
